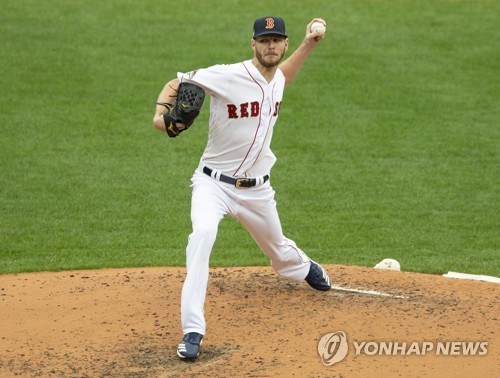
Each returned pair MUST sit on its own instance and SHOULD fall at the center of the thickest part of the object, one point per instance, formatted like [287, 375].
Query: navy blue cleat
[317, 277]
[189, 347]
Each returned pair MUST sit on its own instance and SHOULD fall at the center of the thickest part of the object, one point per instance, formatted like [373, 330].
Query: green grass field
[388, 142]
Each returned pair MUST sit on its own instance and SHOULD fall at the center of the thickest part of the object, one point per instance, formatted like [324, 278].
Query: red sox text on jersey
[246, 110]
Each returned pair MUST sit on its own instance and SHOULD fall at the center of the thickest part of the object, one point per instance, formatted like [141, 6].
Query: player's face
[269, 49]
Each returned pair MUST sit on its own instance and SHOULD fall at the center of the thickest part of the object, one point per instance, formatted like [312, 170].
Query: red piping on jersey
[270, 121]
[298, 253]
[260, 119]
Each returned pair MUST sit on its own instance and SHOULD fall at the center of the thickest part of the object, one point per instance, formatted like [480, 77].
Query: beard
[269, 61]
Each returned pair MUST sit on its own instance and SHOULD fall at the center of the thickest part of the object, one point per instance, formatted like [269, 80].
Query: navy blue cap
[269, 25]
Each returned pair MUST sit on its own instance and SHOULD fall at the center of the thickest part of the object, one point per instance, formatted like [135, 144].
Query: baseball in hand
[318, 27]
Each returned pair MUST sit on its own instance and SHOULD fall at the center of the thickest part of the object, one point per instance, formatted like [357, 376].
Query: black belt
[242, 182]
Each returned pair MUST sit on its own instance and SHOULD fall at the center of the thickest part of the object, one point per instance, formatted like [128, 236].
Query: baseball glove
[185, 109]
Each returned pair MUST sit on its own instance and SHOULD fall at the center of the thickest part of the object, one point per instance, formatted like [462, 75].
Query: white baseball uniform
[244, 108]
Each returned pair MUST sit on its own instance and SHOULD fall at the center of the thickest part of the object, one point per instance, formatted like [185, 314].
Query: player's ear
[286, 44]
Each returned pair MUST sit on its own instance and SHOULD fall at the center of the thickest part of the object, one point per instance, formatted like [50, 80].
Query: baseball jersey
[243, 110]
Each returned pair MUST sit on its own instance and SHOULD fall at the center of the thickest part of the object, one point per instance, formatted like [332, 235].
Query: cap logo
[269, 23]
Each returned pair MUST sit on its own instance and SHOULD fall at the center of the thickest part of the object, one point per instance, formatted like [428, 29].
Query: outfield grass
[388, 142]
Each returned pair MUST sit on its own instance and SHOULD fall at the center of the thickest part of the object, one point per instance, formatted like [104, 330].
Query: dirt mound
[126, 323]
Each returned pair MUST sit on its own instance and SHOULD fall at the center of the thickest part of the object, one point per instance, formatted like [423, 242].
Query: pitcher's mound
[126, 323]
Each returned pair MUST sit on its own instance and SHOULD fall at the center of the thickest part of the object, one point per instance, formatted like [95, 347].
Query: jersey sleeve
[212, 79]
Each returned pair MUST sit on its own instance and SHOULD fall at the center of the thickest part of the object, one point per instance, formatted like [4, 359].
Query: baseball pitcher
[233, 176]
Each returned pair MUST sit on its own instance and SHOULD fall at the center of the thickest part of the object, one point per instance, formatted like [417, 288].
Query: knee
[205, 232]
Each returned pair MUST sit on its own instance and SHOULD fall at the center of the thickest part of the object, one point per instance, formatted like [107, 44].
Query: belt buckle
[245, 183]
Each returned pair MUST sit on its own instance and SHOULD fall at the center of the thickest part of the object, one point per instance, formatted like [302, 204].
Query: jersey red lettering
[244, 110]
[231, 110]
[277, 108]
[254, 108]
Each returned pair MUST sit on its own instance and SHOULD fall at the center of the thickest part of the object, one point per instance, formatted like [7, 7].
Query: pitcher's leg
[207, 210]
[286, 258]
[261, 219]
[263, 223]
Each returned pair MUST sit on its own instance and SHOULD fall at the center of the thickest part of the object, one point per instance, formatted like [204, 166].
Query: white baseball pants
[256, 209]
